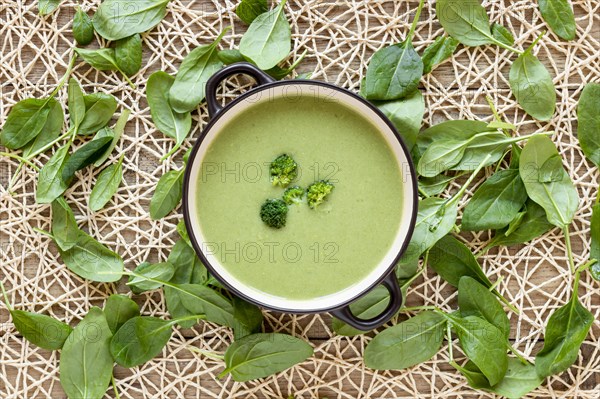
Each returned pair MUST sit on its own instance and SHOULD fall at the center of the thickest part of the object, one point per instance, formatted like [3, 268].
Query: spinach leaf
[182, 231]
[106, 186]
[260, 355]
[368, 306]
[103, 59]
[480, 146]
[198, 299]
[279, 73]
[118, 309]
[86, 364]
[595, 245]
[99, 109]
[46, 7]
[466, 21]
[407, 116]
[51, 129]
[26, 121]
[167, 196]
[64, 225]
[531, 225]
[50, 183]
[452, 260]
[189, 88]
[476, 300]
[128, 54]
[248, 10]
[84, 156]
[158, 271]
[93, 261]
[532, 86]
[139, 340]
[496, 202]
[230, 56]
[588, 115]
[248, 318]
[559, 198]
[408, 343]
[268, 40]
[182, 258]
[41, 330]
[168, 121]
[116, 133]
[566, 330]
[441, 156]
[118, 19]
[559, 15]
[76, 104]
[442, 48]
[83, 29]
[449, 130]
[475, 378]
[484, 344]
[435, 185]
[502, 34]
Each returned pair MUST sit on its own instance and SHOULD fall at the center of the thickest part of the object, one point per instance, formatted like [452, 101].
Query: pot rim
[187, 188]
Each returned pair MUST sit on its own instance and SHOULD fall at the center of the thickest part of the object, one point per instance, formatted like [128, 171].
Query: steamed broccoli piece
[274, 213]
[283, 170]
[293, 195]
[317, 193]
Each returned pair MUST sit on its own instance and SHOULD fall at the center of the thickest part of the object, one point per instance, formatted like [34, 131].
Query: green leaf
[559, 198]
[394, 72]
[366, 307]
[158, 271]
[118, 19]
[502, 34]
[436, 185]
[484, 344]
[26, 121]
[260, 355]
[532, 225]
[106, 186]
[76, 104]
[168, 121]
[182, 258]
[83, 29]
[139, 340]
[99, 110]
[406, 115]
[566, 330]
[84, 156]
[496, 202]
[248, 318]
[595, 244]
[51, 129]
[442, 48]
[128, 54]
[46, 7]
[198, 299]
[102, 59]
[279, 73]
[230, 56]
[466, 21]
[449, 130]
[559, 15]
[408, 343]
[268, 40]
[480, 146]
[167, 195]
[476, 300]
[249, 10]
[182, 231]
[452, 260]
[533, 87]
[118, 309]
[64, 226]
[588, 116]
[520, 379]
[93, 261]
[441, 156]
[116, 133]
[50, 183]
[41, 330]
[86, 364]
[475, 378]
[189, 88]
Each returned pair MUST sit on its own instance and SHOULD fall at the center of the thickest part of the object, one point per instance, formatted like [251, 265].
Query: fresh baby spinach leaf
[502, 34]
[249, 10]
[106, 186]
[64, 226]
[50, 184]
[441, 156]
[139, 340]
[248, 318]
[99, 109]
[128, 54]
[51, 130]
[46, 7]
[145, 271]
[435, 185]
[167, 195]
[366, 307]
[558, 197]
[449, 130]
[103, 59]
[268, 40]
[407, 116]
[77, 107]
[595, 244]
[260, 355]
[198, 299]
[442, 48]
[118, 19]
[86, 364]
[588, 116]
[189, 88]
[84, 156]
[83, 29]
[26, 121]
[118, 309]
[116, 134]
[230, 56]
[408, 343]
[559, 15]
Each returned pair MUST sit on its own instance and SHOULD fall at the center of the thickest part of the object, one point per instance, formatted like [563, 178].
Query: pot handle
[391, 283]
[244, 68]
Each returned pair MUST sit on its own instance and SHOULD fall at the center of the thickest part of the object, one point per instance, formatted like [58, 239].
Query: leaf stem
[508, 304]
[49, 145]
[413, 27]
[450, 343]
[417, 308]
[567, 235]
[536, 41]
[5, 295]
[516, 353]
[187, 318]
[210, 355]
[493, 108]
[462, 190]
[112, 378]
[65, 77]
[43, 232]
[19, 158]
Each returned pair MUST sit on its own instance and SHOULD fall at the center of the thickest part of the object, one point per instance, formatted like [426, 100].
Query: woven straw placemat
[340, 37]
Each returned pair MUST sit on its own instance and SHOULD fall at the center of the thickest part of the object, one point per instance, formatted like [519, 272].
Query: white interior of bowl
[327, 94]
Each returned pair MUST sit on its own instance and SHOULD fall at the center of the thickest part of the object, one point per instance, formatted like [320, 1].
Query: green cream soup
[321, 251]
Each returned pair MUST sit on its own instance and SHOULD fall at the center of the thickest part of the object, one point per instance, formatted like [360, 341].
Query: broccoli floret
[317, 193]
[293, 195]
[283, 170]
[274, 213]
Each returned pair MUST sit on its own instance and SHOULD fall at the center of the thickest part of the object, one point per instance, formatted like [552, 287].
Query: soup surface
[319, 252]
